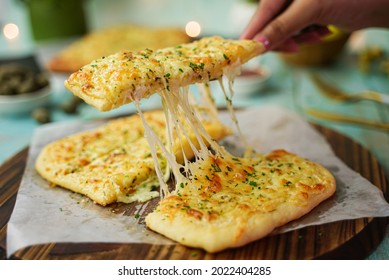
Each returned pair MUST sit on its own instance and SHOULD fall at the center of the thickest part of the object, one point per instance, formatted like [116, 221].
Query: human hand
[283, 24]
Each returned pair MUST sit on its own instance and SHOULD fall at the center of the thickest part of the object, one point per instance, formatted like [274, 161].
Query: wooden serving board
[349, 239]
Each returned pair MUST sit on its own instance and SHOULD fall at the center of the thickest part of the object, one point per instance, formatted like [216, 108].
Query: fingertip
[264, 40]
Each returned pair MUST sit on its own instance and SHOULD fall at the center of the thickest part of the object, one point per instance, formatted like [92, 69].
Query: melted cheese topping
[113, 163]
[112, 81]
[126, 76]
[183, 118]
[228, 201]
[219, 200]
[227, 185]
[178, 105]
[181, 113]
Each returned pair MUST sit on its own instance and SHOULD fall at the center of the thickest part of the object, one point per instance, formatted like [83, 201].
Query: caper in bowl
[22, 89]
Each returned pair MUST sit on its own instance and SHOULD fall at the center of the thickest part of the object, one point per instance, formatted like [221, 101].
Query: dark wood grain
[11, 173]
[350, 239]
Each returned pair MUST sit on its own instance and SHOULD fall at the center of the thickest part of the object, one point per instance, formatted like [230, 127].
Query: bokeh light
[11, 31]
[193, 29]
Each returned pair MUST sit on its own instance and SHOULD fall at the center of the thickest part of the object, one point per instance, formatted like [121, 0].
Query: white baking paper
[43, 214]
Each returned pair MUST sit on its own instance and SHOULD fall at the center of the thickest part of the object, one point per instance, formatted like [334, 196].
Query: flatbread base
[227, 211]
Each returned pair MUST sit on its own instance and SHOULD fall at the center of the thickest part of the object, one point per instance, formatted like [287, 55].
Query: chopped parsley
[195, 66]
[216, 167]
[253, 183]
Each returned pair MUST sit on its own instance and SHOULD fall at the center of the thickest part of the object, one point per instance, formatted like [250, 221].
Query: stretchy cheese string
[154, 143]
[181, 114]
[230, 74]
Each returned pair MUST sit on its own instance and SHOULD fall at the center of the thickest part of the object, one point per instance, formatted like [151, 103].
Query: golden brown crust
[117, 79]
[110, 163]
[225, 201]
[229, 202]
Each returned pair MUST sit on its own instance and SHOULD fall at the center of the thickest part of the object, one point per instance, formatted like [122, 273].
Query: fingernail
[264, 40]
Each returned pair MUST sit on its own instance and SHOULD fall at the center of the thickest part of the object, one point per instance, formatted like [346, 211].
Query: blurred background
[49, 19]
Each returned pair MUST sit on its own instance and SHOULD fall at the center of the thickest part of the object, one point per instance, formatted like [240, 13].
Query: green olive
[71, 106]
[41, 115]
[18, 79]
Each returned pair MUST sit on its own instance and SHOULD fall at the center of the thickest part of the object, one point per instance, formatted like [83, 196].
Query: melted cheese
[228, 201]
[230, 74]
[223, 182]
[183, 119]
[219, 200]
[112, 81]
[113, 163]
[182, 114]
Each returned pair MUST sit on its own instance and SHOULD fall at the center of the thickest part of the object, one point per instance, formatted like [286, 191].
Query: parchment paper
[43, 214]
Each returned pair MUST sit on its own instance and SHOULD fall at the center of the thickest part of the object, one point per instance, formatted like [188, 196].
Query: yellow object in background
[322, 53]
